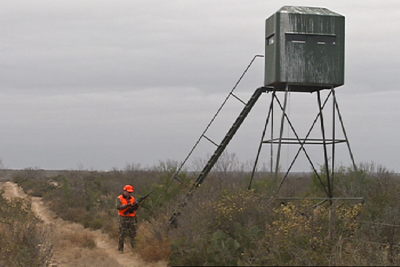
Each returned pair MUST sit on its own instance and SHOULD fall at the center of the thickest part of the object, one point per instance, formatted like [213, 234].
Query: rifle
[137, 203]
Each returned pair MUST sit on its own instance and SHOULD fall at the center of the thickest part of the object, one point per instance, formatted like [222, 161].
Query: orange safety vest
[125, 202]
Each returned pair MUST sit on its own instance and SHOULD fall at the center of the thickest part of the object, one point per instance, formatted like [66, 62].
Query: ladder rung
[211, 141]
[235, 96]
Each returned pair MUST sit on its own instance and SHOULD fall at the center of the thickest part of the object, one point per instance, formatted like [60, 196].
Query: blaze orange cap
[129, 188]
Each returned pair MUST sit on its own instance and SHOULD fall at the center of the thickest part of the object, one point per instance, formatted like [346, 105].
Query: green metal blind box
[304, 49]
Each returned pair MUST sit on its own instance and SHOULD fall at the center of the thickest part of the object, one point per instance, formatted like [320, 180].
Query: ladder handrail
[179, 169]
[220, 149]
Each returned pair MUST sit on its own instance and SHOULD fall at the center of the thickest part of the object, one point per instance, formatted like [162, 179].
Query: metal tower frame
[301, 142]
[329, 172]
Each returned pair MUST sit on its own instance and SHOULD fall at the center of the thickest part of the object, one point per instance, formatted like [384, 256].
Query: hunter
[127, 208]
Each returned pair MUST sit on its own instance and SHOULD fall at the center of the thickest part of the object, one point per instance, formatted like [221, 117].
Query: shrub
[225, 224]
[153, 243]
[24, 240]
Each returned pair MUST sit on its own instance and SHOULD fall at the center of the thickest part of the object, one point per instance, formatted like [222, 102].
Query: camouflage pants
[127, 228]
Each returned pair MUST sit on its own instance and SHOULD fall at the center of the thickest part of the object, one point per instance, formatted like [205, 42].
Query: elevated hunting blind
[304, 49]
[304, 52]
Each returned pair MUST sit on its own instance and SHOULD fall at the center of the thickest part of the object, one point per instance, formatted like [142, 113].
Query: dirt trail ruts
[103, 242]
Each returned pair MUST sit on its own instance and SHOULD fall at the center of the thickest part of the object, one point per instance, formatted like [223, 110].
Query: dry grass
[24, 240]
[76, 247]
[82, 257]
[152, 242]
[81, 239]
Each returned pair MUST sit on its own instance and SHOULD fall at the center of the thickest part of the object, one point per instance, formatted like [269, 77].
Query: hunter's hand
[135, 206]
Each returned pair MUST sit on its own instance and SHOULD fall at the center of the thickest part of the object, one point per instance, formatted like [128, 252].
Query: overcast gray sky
[98, 84]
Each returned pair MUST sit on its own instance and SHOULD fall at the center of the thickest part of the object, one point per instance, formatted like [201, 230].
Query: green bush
[236, 249]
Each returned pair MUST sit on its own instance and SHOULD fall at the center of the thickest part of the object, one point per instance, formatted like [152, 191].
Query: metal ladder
[220, 149]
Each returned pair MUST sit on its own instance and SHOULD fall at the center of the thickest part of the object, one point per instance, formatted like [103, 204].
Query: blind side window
[305, 38]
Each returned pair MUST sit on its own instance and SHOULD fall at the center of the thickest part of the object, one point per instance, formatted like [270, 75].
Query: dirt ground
[66, 253]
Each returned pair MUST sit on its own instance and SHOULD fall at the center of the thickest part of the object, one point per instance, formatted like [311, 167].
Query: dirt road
[65, 252]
